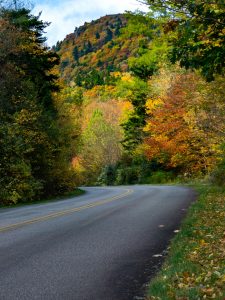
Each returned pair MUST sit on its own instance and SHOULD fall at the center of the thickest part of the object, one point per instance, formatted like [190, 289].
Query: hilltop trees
[95, 46]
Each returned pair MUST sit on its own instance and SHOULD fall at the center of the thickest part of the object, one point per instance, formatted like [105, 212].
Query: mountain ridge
[94, 50]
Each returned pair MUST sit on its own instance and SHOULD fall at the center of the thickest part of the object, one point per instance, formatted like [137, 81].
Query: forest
[126, 99]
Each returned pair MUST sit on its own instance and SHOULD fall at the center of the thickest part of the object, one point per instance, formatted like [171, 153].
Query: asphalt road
[103, 245]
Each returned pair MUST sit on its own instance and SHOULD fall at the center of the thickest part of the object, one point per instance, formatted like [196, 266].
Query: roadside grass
[68, 195]
[195, 267]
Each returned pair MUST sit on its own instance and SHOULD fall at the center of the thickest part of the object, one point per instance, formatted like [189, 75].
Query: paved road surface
[99, 246]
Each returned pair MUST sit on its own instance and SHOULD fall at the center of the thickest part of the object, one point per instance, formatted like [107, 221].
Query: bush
[128, 175]
[161, 177]
[107, 176]
[217, 177]
[134, 171]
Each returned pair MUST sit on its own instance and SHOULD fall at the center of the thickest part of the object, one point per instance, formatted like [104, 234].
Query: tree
[76, 53]
[30, 136]
[109, 35]
[199, 39]
[149, 56]
[97, 35]
[135, 90]
[88, 47]
[99, 145]
[144, 66]
[175, 138]
[117, 31]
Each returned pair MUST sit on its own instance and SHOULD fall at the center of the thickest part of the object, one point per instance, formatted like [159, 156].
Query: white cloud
[68, 14]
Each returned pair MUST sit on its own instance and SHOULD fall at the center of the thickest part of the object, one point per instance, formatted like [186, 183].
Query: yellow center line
[65, 212]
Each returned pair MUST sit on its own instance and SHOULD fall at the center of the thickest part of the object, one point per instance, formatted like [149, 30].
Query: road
[103, 245]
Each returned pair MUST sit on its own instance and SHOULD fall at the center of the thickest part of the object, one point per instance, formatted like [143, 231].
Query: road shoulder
[194, 268]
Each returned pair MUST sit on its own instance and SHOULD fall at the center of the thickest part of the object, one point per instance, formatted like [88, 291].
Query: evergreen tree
[97, 35]
[117, 31]
[109, 35]
[29, 136]
[88, 47]
[76, 53]
[133, 127]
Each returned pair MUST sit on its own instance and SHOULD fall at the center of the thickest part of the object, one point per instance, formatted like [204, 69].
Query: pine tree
[29, 135]
[76, 53]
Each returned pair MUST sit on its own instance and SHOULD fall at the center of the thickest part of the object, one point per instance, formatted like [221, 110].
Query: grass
[75, 193]
[195, 267]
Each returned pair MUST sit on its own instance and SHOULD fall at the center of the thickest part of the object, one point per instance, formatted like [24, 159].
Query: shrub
[107, 176]
[161, 177]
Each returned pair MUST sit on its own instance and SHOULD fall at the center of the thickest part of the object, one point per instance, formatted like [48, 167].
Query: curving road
[104, 245]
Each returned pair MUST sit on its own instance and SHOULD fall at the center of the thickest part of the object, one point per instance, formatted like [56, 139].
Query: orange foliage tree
[175, 139]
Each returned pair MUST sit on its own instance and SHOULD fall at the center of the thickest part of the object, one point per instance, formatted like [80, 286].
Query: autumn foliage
[113, 106]
[174, 136]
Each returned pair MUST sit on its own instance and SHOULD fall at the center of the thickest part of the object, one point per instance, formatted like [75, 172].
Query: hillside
[94, 50]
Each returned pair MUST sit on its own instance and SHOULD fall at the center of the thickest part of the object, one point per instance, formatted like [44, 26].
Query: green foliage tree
[99, 146]
[65, 63]
[97, 35]
[199, 39]
[109, 35]
[76, 53]
[90, 79]
[117, 31]
[107, 176]
[150, 54]
[29, 135]
[144, 66]
[136, 91]
[56, 47]
[88, 47]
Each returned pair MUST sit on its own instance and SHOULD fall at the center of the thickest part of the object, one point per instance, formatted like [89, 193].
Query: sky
[65, 15]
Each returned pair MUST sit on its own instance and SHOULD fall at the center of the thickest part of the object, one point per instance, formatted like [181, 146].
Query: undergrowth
[75, 193]
[195, 267]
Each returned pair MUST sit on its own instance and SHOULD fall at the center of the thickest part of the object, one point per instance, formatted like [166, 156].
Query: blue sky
[65, 15]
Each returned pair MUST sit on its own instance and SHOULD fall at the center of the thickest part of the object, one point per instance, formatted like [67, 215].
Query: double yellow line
[65, 212]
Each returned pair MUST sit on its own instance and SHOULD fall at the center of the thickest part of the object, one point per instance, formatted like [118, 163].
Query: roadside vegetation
[75, 193]
[35, 148]
[195, 266]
